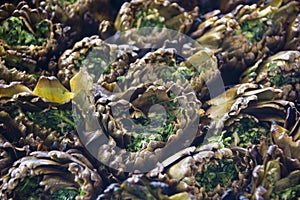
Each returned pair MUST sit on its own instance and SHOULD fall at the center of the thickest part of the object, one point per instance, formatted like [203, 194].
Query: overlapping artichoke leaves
[246, 34]
[83, 17]
[225, 6]
[281, 70]
[209, 172]
[28, 37]
[254, 117]
[37, 120]
[102, 60]
[244, 114]
[13, 75]
[149, 108]
[140, 186]
[277, 174]
[144, 21]
[51, 175]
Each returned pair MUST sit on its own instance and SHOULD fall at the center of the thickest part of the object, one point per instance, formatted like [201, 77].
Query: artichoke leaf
[12, 89]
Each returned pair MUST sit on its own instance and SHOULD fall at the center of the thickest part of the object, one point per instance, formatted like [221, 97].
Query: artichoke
[244, 114]
[162, 14]
[244, 130]
[145, 114]
[276, 175]
[138, 127]
[281, 70]
[199, 71]
[41, 119]
[142, 187]
[246, 34]
[83, 17]
[40, 129]
[28, 37]
[103, 61]
[51, 175]
[207, 172]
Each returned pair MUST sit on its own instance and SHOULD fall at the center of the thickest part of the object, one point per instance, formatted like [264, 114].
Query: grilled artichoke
[103, 61]
[147, 125]
[247, 34]
[276, 175]
[38, 119]
[243, 114]
[206, 173]
[142, 187]
[144, 114]
[51, 175]
[281, 70]
[28, 37]
[83, 17]
[139, 14]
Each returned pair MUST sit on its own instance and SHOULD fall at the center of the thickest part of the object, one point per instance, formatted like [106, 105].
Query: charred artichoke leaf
[286, 142]
[293, 31]
[12, 89]
[13, 75]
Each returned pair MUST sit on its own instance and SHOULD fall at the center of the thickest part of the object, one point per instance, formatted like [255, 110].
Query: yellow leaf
[52, 90]
[82, 81]
[179, 196]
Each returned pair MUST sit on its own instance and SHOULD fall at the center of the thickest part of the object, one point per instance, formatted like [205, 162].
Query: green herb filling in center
[222, 172]
[15, 33]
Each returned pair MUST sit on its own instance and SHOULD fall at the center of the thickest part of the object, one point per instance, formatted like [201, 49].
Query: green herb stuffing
[146, 130]
[56, 119]
[64, 194]
[253, 30]
[15, 33]
[94, 61]
[245, 133]
[175, 72]
[277, 77]
[28, 189]
[69, 1]
[149, 18]
[291, 193]
[222, 172]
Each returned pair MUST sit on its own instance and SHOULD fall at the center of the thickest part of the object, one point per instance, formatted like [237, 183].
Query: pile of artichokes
[81, 115]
